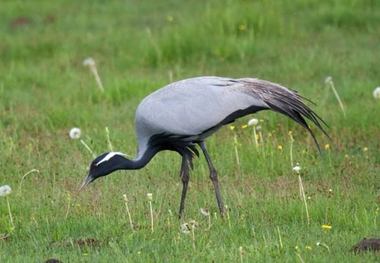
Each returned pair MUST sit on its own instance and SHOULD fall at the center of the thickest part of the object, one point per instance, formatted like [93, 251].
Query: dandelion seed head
[328, 80]
[242, 27]
[205, 212]
[89, 62]
[149, 196]
[185, 228]
[253, 122]
[376, 93]
[5, 190]
[365, 149]
[75, 133]
[297, 168]
[241, 250]
[258, 128]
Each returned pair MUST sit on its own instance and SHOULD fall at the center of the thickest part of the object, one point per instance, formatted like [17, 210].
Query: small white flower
[297, 168]
[185, 228]
[376, 93]
[328, 80]
[150, 196]
[75, 133]
[5, 190]
[205, 212]
[253, 122]
[89, 62]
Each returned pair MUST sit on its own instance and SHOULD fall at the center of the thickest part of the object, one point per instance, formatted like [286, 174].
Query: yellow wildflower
[169, 18]
[244, 126]
[232, 127]
[327, 146]
[279, 147]
[326, 227]
[242, 27]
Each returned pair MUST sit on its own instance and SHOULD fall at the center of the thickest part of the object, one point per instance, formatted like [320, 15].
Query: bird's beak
[86, 181]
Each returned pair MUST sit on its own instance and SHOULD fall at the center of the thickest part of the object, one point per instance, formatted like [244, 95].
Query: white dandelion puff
[89, 62]
[185, 228]
[253, 122]
[205, 212]
[328, 80]
[297, 168]
[75, 133]
[5, 190]
[376, 93]
[149, 196]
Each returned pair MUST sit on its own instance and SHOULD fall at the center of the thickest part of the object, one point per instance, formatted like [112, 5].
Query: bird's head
[103, 165]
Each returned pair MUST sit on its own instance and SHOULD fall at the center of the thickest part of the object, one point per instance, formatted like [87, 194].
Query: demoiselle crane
[181, 115]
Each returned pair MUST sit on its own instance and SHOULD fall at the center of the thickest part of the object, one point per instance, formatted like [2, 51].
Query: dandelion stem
[236, 150]
[88, 148]
[299, 256]
[241, 254]
[23, 177]
[228, 217]
[108, 139]
[261, 137]
[193, 236]
[255, 135]
[291, 148]
[332, 86]
[97, 78]
[68, 206]
[209, 221]
[10, 213]
[304, 198]
[128, 212]
[151, 215]
[279, 237]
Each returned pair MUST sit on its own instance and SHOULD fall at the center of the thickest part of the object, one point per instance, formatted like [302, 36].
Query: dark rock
[53, 260]
[20, 22]
[367, 244]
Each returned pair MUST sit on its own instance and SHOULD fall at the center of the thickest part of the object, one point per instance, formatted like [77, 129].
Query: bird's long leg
[213, 177]
[185, 181]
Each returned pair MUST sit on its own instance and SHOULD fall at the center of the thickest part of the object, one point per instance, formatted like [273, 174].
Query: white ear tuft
[109, 156]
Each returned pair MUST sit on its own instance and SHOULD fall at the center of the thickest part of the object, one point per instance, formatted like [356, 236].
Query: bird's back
[191, 106]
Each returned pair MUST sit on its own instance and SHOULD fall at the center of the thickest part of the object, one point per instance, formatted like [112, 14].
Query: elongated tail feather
[285, 101]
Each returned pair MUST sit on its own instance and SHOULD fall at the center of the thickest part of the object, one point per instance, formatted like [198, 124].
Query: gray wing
[193, 106]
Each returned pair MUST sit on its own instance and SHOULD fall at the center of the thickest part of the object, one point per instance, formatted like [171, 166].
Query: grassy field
[140, 46]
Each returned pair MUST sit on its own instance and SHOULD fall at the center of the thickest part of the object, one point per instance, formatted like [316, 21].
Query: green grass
[139, 46]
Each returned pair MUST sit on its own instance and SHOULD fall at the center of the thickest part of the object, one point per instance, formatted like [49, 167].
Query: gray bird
[181, 115]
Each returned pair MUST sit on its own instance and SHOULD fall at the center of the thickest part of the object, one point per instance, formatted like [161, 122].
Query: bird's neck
[140, 161]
